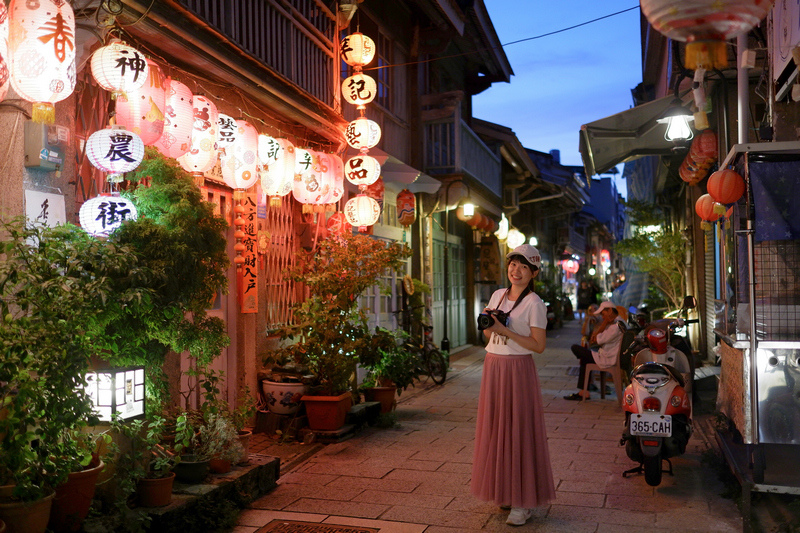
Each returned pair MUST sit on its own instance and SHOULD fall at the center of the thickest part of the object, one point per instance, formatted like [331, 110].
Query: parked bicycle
[420, 342]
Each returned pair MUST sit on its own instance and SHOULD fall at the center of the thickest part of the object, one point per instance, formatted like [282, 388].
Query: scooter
[658, 402]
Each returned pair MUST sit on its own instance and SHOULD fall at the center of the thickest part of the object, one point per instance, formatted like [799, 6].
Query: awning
[633, 133]
[398, 175]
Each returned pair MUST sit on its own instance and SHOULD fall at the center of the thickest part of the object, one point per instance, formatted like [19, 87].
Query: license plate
[651, 425]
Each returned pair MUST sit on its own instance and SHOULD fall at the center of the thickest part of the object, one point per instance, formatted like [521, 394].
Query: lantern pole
[445, 344]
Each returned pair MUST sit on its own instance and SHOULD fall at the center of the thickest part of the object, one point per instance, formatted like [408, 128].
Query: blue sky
[564, 80]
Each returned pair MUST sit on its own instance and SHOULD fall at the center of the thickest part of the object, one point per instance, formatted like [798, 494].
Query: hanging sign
[45, 208]
[248, 282]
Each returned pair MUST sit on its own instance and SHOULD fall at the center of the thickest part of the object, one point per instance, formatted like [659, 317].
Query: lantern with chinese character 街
[725, 187]
[406, 207]
[705, 209]
[362, 211]
[362, 170]
[337, 224]
[142, 112]
[41, 51]
[357, 50]
[362, 134]
[101, 215]
[115, 150]
[277, 158]
[119, 68]
[240, 162]
[4, 74]
[704, 25]
[359, 89]
[178, 121]
[202, 155]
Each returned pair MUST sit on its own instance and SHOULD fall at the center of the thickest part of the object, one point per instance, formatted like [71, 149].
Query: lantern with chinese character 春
[101, 215]
[178, 121]
[240, 162]
[115, 150]
[41, 50]
[406, 207]
[362, 211]
[357, 50]
[142, 112]
[362, 134]
[277, 157]
[202, 155]
[119, 68]
[4, 74]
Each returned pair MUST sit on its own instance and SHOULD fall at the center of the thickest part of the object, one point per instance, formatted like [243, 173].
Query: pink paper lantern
[307, 186]
[277, 158]
[119, 68]
[337, 224]
[202, 155]
[4, 74]
[357, 50]
[240, 162]
[115, 150]
[41, 48]
[142, 112]
[362, 211]
[362, 134]
[334, 180]
[362, 170]
[178, 121]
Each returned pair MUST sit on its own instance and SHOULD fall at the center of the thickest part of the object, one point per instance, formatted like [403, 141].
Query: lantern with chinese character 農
[362, 170]
[337, 224]
[362, 134]
[178, 121]
[101, 215]
[202, 155]
[115, 150]
[362, 211]
[117, 391]
[119, 68]
[240, 161]
[406, 207]
[359, 89]
[41, 51]
[725, 186]
[704, 25]
[4, 74]
[277, 157]
[142, 112]
[705, 209]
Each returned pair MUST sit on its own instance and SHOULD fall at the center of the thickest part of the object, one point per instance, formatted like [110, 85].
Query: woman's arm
[534, 342]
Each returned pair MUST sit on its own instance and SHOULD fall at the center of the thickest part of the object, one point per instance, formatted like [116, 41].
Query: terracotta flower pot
[244, 438]
[327, 413]
[73, 499]
[26, 517]
[384, 395]
[155, 492]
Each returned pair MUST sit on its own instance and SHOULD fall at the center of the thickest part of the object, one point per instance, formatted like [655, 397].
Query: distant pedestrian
[511, 462]
[585, 299]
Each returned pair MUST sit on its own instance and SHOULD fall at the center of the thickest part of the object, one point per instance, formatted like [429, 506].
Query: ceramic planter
[190, 470]
[73, 499]
[384, 395]
[327, 413]
[26, 517]
[244, 438]
[155, 492]
[282, 398]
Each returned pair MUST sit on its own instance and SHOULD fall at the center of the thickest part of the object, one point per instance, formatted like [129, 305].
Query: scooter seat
[658, 368]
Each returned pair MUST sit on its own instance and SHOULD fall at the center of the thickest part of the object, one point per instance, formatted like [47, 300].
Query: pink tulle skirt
[511, 464]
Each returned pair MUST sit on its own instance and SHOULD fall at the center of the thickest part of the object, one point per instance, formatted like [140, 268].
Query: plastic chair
[616, 374]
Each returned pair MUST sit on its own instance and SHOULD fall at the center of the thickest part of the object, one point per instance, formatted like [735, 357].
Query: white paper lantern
[277, 157]
[359, 89]
[202, 155]
[362, 134]
[119, 68]
[515, 238]
[4, 73]
[362, 170]
[114, 150]
[101, 215]
[142, 112]
[357, 50]
[240, 162]
[178, 121]
[42, 53]
[306, 185]
[336, 169]
[362, 211]
[226, 133]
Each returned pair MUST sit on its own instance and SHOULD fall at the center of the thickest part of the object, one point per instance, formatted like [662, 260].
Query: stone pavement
[414, 477]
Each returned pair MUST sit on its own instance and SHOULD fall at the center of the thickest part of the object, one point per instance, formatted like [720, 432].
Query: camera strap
[522, 296]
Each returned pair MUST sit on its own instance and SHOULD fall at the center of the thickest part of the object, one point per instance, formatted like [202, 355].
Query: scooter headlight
[675, 401]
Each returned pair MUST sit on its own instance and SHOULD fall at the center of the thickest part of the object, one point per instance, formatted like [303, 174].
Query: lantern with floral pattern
[142, 112]
[176, 138]
[277, 157]
[202, 154]
[239, 164]
[115, 150]
[41, 48]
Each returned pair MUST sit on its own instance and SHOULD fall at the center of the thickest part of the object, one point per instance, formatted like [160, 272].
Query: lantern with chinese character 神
[41, 50]
[142, 112]
[406, 207]
[4, 74]
[202, 155]
[362, 170]
[101, 215]
[178, 121]
[115, 150]
[362, 211]
[362, 134]
[357, 50]
[240, 162]
[359, 89]
[277, 158]
[725, 187]
[704, 207]
[119, 68]
[705, 25]
[337, 224]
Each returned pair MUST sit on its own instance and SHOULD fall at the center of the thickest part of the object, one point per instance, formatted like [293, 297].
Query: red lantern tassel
[275, 201]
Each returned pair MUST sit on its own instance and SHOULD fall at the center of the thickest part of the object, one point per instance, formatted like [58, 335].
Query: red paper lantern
[725, 186]
[704, 207]
[406, 207]
[142, 112]
[493, 226]
[338, 225]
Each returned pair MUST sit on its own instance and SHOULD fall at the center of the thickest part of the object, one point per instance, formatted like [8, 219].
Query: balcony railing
[451, 150]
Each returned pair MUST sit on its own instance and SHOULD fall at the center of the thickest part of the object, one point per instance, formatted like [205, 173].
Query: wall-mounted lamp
[533, 241]
[469, 210]
[677, 119]
[117, 390]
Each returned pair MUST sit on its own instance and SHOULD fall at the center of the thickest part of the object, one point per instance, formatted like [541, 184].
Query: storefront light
[117, 390]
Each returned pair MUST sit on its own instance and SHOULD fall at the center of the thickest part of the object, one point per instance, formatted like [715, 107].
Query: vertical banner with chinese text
[248, 281]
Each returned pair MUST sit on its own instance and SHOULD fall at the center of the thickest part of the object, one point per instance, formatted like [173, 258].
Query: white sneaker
[518, 516]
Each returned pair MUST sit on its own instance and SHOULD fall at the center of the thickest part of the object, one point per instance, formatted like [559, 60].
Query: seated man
[607, 337]
[589, 324]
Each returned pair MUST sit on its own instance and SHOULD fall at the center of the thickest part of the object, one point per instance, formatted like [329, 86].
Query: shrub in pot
[390, 365]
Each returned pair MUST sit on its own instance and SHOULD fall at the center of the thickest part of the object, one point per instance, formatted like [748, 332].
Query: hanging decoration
[705, 25]
[277, 157]
[357, 50]
[406, 207]
[142, 112]
[362, 170]
[240, 161]
[4, 74]
[515, 238]
[725, 187]
[119, 68]
[115, 150]
[101, 215]
[570, 265]
[336, 179]
[178, 121]
[202, 154]
[306, 184]
[41, 51]
[362, 211]
[702, 154]
[337, 224]
[246, 267]
[359, 89]
[362, 134]
[502, 230]
[705, 209]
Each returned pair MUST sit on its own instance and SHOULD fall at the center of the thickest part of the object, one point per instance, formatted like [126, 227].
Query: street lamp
[469, 210]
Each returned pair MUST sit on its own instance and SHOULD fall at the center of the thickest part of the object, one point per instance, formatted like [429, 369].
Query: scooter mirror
[689, 302]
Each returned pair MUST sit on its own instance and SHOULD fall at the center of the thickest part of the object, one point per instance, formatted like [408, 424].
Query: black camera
[486, 320]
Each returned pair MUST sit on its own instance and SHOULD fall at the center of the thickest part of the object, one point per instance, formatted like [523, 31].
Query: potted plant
[284, 384]
[328, 329]
[391, 369]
